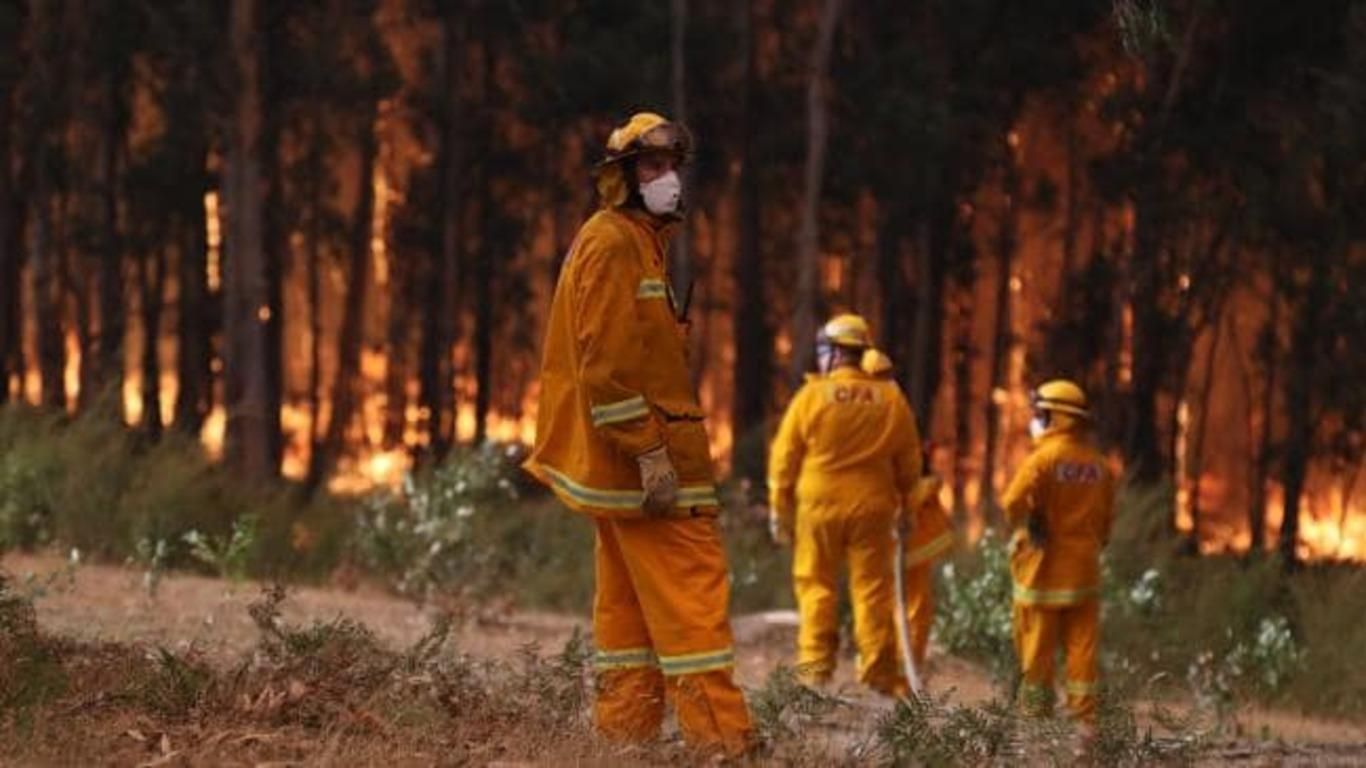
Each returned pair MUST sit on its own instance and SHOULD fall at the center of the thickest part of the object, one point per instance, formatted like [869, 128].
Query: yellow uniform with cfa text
[1067, 488]
[845, 459]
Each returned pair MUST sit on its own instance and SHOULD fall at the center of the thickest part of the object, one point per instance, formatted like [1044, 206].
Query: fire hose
[903, 629]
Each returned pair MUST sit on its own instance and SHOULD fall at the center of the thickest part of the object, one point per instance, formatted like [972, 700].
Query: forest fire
[406, 217]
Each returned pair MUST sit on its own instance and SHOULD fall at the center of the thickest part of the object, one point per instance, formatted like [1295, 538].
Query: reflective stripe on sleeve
[652, 289]
[936, 547]
[624, 410]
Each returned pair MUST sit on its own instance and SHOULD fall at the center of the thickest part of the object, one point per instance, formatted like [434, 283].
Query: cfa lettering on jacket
[1077, 473]
[852, 395]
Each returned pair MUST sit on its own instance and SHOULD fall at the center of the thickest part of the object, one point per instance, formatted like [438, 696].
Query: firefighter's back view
[846, 457]
[1060, 504]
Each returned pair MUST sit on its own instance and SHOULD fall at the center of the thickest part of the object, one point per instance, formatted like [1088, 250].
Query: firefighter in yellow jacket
[928, 535]
[620, 438]
[1060, 505]
[846, 457]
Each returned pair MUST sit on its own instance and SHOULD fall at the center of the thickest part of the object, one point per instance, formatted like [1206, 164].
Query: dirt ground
[103, 604]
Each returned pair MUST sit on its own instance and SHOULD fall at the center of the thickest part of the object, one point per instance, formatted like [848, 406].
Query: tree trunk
[1002, 338]
[963, 353]
[11, 246]
[436, 371]
[106, 371]
[194, 360]
[1299, 386]
[485, 263]
[402, 299]
[1270, 353]
[753, 364]
[681, 257]
[1149, 344]
[47, 298]
[153, 276]
[246, 294]
[808, 301]
[346, 386]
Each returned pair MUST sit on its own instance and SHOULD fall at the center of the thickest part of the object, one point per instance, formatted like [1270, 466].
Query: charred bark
[194, 362]
[753, 364]
[153, 284]
[808, 305]
[246, 299]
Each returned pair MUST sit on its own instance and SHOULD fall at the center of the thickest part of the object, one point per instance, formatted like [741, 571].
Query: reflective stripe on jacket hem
[652, 289]
[688, 495]
[936, 547]
[615, 413]
[1054, 597]
[695, 663]
[627, 658]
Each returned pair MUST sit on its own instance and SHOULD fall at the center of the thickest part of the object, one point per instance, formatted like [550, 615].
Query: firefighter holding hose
[844, 462]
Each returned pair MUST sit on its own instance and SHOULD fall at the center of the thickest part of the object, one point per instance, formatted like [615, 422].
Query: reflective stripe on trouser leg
[920, 609]
[1080, 639]
[629, 705]
[872, 591]
[677, 570]
[1036, 642]
[818, 553]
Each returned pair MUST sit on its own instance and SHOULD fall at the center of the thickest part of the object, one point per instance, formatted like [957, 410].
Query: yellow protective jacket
[614, 376]
[846, 437]
[1066, 484]
[931, 535]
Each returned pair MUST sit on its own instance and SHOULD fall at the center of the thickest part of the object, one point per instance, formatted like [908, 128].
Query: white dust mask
[664, 195]
[1037, 426]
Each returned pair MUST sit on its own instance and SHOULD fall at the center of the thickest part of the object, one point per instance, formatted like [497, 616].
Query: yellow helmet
[847, 330]
[876, 363]
[644, 132]
[1061, 396]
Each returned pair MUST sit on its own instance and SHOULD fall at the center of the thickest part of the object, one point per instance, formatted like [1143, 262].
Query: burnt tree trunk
[807, 306]
[1269, 351]
[11, 243]
[194, 360]
[153, 280]
[1002, 338]
[246, 294]
[106, 372]
[1299, 386]
[753, 362]
[436, 369]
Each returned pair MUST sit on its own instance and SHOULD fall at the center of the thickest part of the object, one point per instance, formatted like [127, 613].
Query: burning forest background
[322, 236]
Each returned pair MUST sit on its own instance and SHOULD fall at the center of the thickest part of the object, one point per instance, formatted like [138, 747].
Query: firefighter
[620, 438]
[927, 535]
[1060, 505]
[845, 459]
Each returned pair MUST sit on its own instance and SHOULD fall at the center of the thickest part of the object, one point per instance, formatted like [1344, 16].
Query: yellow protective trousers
[827, 538]
[1040, 630]
[920, 610]
[661, 629]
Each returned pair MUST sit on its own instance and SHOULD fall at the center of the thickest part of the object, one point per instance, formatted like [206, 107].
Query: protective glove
[780, 530]
[659, 480]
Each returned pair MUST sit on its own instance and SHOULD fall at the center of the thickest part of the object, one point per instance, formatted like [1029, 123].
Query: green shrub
[466, 529]
[973, 618]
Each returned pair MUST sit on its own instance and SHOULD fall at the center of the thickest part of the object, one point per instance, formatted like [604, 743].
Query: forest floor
[107, 621]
